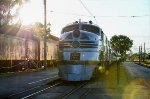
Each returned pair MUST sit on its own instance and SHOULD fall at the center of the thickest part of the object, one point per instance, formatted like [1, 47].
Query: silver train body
[83, 49]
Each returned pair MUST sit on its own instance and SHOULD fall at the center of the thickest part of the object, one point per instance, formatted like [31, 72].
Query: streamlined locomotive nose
[76, 44]
[76, 33]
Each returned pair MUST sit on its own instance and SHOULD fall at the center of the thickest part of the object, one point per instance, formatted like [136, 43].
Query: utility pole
[139, 54]
[45, 54]
[144, 52]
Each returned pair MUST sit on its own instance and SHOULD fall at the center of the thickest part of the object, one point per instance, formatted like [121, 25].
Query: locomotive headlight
[76, 44]
[101, 69]
[76, 33]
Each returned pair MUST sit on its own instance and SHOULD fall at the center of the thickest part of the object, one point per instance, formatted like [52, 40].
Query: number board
[74, 56]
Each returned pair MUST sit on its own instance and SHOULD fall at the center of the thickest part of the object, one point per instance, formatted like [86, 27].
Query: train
[84, 51]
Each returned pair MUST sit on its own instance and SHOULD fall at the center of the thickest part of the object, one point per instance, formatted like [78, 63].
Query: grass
[116, 79]
[127, 88]
[22, 71]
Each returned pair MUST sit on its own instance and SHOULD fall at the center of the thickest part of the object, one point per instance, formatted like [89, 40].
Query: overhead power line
[77, 14]
[86, 8]
[133, 16]
[120, 16]
[69, 13]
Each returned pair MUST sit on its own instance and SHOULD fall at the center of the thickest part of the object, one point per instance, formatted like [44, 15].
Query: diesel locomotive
[83, 50]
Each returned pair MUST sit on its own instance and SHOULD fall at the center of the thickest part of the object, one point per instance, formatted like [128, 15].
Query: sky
[115, 17]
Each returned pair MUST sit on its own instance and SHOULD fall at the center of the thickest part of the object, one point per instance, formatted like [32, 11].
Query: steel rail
[40, 91]
[65, 95]
[54, 83]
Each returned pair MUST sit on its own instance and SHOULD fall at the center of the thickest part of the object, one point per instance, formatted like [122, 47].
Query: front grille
[72, 62]
[83, 44]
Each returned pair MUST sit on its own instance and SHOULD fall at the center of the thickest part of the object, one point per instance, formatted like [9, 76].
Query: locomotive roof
[85, 23]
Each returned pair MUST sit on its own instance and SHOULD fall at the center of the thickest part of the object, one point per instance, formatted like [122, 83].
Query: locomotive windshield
[85, 27]
[70, 28]
[91, 28]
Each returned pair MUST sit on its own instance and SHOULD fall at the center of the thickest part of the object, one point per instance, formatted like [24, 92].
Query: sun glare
[25, 15]
[30, 14]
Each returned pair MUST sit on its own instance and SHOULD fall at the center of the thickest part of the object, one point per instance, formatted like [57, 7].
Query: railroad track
[28, 93]
[40, 89]
[74, 90]
[85, 93]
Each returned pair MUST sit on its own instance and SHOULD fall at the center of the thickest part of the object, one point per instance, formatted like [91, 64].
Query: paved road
[139, 85]
[16, 82]
[137, 71]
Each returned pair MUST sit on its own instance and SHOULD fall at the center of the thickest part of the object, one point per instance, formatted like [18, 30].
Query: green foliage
[39, 29]
[9, 10]
[122, 43]
[134, 57]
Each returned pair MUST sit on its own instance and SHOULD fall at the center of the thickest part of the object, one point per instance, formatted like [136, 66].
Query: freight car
[25, 50]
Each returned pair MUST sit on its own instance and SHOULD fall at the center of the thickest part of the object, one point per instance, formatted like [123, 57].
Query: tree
[39, 29]
[134, 57]
[9, 10]
[121, 43]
